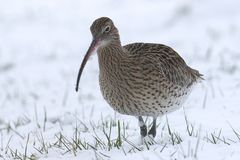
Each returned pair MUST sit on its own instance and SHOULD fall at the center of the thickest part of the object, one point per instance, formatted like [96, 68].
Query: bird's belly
[149, 103]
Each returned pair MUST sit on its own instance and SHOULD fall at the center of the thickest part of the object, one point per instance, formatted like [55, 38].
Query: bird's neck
[109, 58]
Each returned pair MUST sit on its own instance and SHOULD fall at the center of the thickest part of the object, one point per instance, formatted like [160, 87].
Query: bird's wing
[165, 60]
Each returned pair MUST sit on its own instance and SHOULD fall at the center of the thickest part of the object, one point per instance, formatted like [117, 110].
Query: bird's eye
[107, 29]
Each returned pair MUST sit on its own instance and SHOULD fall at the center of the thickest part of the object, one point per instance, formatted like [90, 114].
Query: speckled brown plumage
[139, 79]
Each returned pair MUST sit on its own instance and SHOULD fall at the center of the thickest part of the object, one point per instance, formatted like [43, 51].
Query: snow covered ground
[42, 44]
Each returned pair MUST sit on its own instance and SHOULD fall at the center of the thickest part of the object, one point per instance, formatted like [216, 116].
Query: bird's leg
[152, 131]
[143, 127]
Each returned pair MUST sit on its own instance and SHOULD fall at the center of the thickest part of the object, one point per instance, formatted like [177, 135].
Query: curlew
[139, 79]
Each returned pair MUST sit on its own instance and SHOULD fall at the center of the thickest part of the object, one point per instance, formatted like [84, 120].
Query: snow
[42, 44]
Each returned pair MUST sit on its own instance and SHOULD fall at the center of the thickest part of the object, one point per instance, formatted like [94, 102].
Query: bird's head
[104, 33]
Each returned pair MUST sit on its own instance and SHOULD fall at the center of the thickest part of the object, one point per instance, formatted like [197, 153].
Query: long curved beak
[90, 50]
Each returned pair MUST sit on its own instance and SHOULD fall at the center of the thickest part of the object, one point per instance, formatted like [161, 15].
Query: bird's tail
[196, 75]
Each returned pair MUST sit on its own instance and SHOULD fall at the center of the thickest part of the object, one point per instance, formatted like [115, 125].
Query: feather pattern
[141, 79]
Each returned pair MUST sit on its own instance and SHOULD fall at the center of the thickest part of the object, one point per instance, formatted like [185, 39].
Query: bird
[139, 79]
